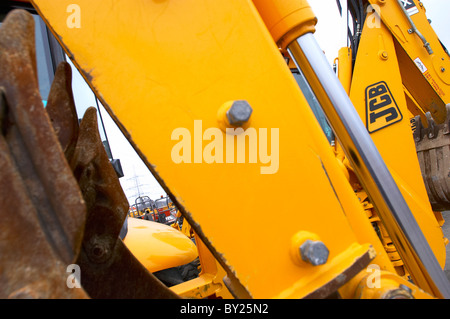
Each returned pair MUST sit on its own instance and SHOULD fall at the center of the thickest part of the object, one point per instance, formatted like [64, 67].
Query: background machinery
[142, 206]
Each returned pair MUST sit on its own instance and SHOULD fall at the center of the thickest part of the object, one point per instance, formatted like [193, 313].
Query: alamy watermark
[374, 279]
[74, 19]
[373, 17]
[222, 146]
[74, 279]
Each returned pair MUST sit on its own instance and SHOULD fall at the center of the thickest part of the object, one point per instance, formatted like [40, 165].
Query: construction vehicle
[143, 208]
[160, 210]
[166, 211]
[162, 250]
[366, 195]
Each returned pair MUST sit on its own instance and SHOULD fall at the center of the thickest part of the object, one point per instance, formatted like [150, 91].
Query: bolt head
[406, 288]
[400, 293]
[314, 252]
[98, 250]
[239, 113]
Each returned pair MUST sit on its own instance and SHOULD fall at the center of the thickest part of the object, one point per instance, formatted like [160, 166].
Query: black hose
[338, 2]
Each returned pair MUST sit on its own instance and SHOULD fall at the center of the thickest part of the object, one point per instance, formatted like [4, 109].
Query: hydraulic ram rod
[370, 167]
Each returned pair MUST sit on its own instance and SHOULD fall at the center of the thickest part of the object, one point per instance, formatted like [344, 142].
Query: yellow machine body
[158, 246]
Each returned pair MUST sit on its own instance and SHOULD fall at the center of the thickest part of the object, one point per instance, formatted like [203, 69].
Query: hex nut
[314, 252]
[239, 113]
[399, 293]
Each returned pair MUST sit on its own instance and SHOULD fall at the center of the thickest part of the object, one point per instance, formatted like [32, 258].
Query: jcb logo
[381, 108]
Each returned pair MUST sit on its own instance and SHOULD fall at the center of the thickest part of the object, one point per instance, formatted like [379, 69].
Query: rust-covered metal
[433, 151]
[331, 287]
[61, 109]
[61, 202]
[41, 208]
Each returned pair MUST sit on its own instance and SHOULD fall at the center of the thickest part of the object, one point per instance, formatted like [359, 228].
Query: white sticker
[420, 65]
[410, 7]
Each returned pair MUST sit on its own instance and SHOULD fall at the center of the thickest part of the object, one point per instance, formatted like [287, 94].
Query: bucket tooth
[41, 207]
[109, 269]
[61, 109]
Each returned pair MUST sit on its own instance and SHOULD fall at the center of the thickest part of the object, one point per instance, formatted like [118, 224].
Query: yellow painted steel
[429, 84]
[345, 77]
[380, 285]
[158, 246]
[345, 68]
[286, 20]
[434, 234]
[277, 16]
[375, 63]
[153, 61]
[210, 280]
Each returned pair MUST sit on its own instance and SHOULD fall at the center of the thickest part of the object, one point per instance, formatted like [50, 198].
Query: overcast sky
[331, 35]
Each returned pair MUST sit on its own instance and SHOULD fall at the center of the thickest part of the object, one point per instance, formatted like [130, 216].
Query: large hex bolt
[402, 292]
[239, 113]
[314, 252]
